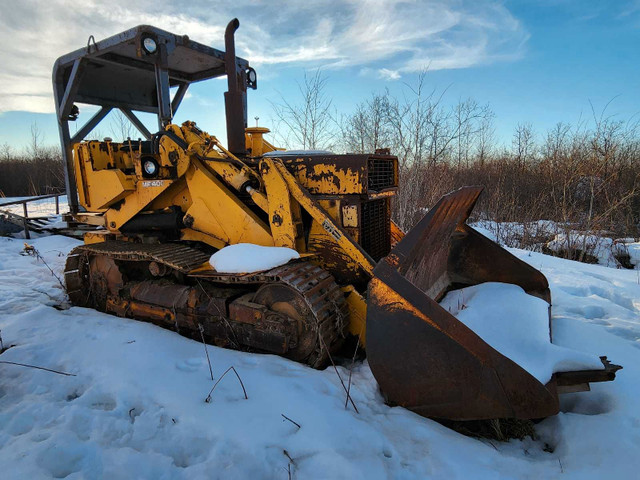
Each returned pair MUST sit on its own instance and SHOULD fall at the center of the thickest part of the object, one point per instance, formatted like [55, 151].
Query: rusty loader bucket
[423, 358]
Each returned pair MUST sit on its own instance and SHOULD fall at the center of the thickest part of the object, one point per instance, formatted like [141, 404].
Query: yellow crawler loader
[165, 202]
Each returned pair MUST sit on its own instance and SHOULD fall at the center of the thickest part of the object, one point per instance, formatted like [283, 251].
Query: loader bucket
[423, 358]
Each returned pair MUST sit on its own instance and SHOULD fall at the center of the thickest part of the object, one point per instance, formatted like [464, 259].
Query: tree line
[583, 176]
[37, 170]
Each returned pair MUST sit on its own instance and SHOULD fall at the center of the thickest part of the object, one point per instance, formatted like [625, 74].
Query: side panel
[217, 212]
[101, 180]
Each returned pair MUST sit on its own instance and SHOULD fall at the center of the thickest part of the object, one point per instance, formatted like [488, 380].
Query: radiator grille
[376, 229]
[380, 174]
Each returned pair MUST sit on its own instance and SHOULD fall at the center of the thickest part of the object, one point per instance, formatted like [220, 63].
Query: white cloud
[387, 74]
[383, 37]
[28, 103]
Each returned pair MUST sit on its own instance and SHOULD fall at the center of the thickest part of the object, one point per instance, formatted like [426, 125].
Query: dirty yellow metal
[144, 193]
[202, 179]
[357, 313]
[189, 234]
[95, 237]
[257, 146]
[396, 233]
[101, 186]
[284, 212]
[328, 178]
[216, 212]
[350, 216]
[352, 249]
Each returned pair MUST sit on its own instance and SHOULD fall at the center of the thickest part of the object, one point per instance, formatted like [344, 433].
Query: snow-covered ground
[605, 250]
[36, 208]
[45, 207]
[136, 405]
[549, 236]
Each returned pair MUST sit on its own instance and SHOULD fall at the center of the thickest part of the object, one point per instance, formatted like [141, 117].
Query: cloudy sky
[537, 61]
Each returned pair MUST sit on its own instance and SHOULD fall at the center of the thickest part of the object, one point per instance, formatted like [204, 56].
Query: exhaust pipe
[235, 99]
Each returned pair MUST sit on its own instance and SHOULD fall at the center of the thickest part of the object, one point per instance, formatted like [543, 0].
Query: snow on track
[250, 258]
[136, 408]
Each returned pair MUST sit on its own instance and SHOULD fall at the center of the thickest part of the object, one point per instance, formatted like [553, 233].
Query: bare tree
[310, 123]
[34, 148]
[6, 152]
[584, 176]
[464, 114]
[523, 143]
[369, 127]
[354, 130]
[486, 133]
[120, 126]
[471, 121]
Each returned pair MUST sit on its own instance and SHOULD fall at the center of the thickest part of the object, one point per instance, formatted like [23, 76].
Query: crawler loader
[163, 203]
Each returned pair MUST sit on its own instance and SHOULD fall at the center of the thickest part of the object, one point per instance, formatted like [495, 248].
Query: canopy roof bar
[135, 71]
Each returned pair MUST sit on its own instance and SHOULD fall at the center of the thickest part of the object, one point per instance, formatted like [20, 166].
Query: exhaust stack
[235, 99]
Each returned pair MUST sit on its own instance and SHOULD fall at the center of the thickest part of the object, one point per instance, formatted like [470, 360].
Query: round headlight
[150, 167]
[252, 78]
[149, 45]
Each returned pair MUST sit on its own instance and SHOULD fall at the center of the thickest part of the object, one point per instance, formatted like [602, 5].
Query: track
[295, 310]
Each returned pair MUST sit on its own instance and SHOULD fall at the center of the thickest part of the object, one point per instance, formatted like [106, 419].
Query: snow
[546, 235]
[602, 248]
[36, 208]
[43, 208]
[56, 222]
[519, 234]
[250, 258]
[517, 325]
[302, 153]
[136, 408]
[631, 248]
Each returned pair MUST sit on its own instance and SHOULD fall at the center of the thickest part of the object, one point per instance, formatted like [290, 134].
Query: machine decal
[333, 231]
[153, 183]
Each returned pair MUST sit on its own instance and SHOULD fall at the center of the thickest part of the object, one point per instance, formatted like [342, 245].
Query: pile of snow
[136, 405]
[549, 236]
[602, 248]
[607, 251]
[632, 248]
[518, 234]
[516, 325]
[250, 258]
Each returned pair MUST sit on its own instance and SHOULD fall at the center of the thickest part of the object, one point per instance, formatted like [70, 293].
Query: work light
[149, 45]
[150, 167]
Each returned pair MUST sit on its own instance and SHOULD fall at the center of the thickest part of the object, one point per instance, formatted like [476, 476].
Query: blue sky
[540, 62]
